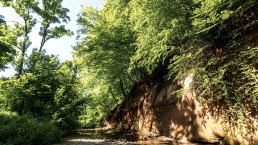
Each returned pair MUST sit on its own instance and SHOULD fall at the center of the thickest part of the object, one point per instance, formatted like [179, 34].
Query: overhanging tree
[106, 43]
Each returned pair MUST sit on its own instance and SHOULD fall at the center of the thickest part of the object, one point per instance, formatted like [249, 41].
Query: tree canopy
[127, 40]
[47, 12]
[44, 93]
[214, 42]
[6, 52]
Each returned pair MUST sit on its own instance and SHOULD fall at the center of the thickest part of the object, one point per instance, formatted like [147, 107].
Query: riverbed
[106, 137]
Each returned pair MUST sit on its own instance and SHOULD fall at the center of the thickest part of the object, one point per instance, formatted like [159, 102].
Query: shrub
[17, 130]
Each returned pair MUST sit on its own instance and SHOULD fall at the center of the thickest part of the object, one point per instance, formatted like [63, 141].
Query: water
[104, 137]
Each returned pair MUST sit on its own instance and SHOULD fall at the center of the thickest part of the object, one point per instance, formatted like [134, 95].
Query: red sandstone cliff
[152, 107]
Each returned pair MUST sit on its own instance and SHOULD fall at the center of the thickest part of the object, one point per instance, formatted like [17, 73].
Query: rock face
[153, 107]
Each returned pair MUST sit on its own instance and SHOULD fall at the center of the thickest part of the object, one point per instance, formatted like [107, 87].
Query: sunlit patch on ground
[79, 141]
[87, 140]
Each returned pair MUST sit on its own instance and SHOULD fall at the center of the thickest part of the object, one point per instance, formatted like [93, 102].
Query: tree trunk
[24, 47]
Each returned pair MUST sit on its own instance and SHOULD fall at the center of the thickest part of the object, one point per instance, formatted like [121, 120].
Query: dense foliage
[47, 90]
[43, 94]
[214, 42]
[6, 51]
[17, 130]
[227, 69]
[48, 11]
[104, 73]
[211, 41]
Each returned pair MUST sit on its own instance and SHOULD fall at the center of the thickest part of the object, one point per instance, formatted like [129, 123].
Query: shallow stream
[104, 137]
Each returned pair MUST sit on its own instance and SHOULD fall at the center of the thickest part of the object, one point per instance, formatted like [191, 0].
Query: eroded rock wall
[153, 107]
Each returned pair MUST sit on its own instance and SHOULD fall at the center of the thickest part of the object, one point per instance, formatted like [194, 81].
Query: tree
[68, 99]
[47, 90]
[24, 9]
[50, 13]
[103, 54]
[6, 51]
[161, 27]
[33, 92]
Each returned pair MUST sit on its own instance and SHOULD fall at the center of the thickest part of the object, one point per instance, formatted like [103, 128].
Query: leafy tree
[68, 100]
[162, 28]
[6, 51]
[45, 90]
[103, 55]
[50, 13]
[33, 92]
[23, 9]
